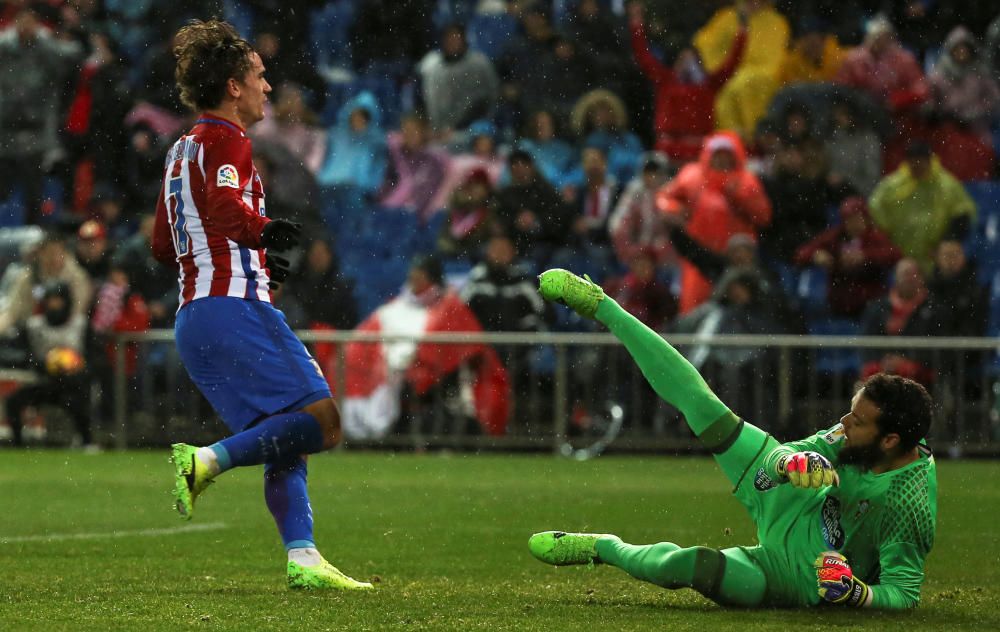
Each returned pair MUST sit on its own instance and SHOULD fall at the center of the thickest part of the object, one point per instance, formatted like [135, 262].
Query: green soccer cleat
[191, 477]
[324, 576]
[579, 294]
[563, 549]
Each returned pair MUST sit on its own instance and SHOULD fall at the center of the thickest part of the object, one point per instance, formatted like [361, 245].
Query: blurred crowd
[763, 166]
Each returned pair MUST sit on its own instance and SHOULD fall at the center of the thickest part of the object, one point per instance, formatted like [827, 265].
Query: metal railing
[574, 392]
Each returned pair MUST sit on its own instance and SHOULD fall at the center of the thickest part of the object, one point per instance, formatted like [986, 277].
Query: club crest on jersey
[227, 176]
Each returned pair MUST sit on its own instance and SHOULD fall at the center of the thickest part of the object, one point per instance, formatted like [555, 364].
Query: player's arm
[227, 169]
[808, 462]
[902, 572]
[162, 241]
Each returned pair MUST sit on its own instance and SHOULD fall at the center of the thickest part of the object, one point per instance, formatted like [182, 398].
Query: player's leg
[287, 499]
[248, 364]
[728, 577]
[673, 378]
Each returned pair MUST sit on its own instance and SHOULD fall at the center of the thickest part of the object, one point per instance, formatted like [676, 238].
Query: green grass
[444, 536]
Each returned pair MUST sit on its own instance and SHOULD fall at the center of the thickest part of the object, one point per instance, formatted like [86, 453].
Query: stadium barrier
[579, 393]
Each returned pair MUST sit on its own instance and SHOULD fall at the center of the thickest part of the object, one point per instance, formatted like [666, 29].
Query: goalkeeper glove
[807, 469]
[277, 270]
[281, 234]
[837, 583]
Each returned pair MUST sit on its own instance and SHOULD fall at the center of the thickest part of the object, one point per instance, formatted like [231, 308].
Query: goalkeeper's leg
[728, 577]
[734, 443]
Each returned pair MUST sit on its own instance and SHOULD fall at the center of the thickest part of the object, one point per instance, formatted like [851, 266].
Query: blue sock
[287, 499]
[277, 438]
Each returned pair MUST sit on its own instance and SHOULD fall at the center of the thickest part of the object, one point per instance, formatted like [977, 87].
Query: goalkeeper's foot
[323, 576]
[579, 294]
[563, 549]
[191, 477]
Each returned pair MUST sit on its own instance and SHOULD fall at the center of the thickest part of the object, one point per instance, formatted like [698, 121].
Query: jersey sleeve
[228, 166]
[908, 526]
[826, 442]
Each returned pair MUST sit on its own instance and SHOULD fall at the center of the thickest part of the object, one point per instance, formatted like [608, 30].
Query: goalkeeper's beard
[862, 456]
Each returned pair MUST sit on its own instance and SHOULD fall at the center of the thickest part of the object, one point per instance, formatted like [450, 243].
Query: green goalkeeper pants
[737, 576]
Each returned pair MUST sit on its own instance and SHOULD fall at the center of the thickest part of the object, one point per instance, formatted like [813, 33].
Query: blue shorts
[245, 360]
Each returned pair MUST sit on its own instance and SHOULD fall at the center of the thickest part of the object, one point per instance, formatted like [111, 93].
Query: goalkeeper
[855, 535]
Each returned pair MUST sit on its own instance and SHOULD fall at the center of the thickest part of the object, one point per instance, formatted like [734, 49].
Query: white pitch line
[137, 533]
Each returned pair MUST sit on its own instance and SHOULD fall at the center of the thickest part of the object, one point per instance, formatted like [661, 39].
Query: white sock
[305, 556]
[207, 456]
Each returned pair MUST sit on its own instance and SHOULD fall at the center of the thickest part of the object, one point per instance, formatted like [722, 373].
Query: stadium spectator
[416, 170]
[92, 133]
[156, 86]
[389, 33]
[904, 311]
[593, 199]
[118, 308]
[743, 100]
[737, 306]
[293, 126]
[964, 102]
[49, 262]
[469, 217]
[527, 62]
[530, 210]
[959, 302]
[477, 152]
[503, 294]
[800, 194]
[715, 198]
[888, 73]
[857, 256]
[458, 85]
[143, 165]
[815, 54]
[34, 69]
[285, 62]
[920, 204]
[54, 340]
[599, 120]
[356, 147]
[155, 284]
[324, 293]
[572, 73]
[635, 225]
[292, 191]
[641, 290]
[554, 156]
[883, 69]
[991, 47]
[93, 250]
[922, 25]
[853, 149]
[684, 93]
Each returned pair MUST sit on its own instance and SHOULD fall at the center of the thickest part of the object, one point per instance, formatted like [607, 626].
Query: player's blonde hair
[208, 55]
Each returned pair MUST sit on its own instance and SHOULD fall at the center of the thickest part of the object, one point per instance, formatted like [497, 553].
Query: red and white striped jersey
[210, 214]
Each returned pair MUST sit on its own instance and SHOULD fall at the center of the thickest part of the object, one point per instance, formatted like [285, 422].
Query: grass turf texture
[443, 535]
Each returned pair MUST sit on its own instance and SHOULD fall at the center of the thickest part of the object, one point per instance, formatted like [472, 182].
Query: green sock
[670, 374]
[645, 562]
[727, 577]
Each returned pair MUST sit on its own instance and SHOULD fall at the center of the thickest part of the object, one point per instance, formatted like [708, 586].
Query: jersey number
[181, 237]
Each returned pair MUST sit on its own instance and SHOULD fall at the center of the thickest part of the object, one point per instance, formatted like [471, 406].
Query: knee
[328, 416]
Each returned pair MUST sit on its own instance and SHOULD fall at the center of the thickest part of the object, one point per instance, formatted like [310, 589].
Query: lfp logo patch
[227, 177]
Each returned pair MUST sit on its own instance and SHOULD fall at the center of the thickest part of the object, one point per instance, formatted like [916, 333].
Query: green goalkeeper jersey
[883, 523]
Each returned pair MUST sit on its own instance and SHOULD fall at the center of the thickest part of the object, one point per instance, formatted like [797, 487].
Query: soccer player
[237, 348]
[855, 535]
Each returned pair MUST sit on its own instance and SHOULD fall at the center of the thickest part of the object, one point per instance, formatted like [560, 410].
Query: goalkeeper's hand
[837, 583]
[281, 234]
[277, 270]
[808, 470]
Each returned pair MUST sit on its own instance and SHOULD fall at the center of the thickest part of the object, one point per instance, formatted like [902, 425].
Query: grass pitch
[92, 543]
